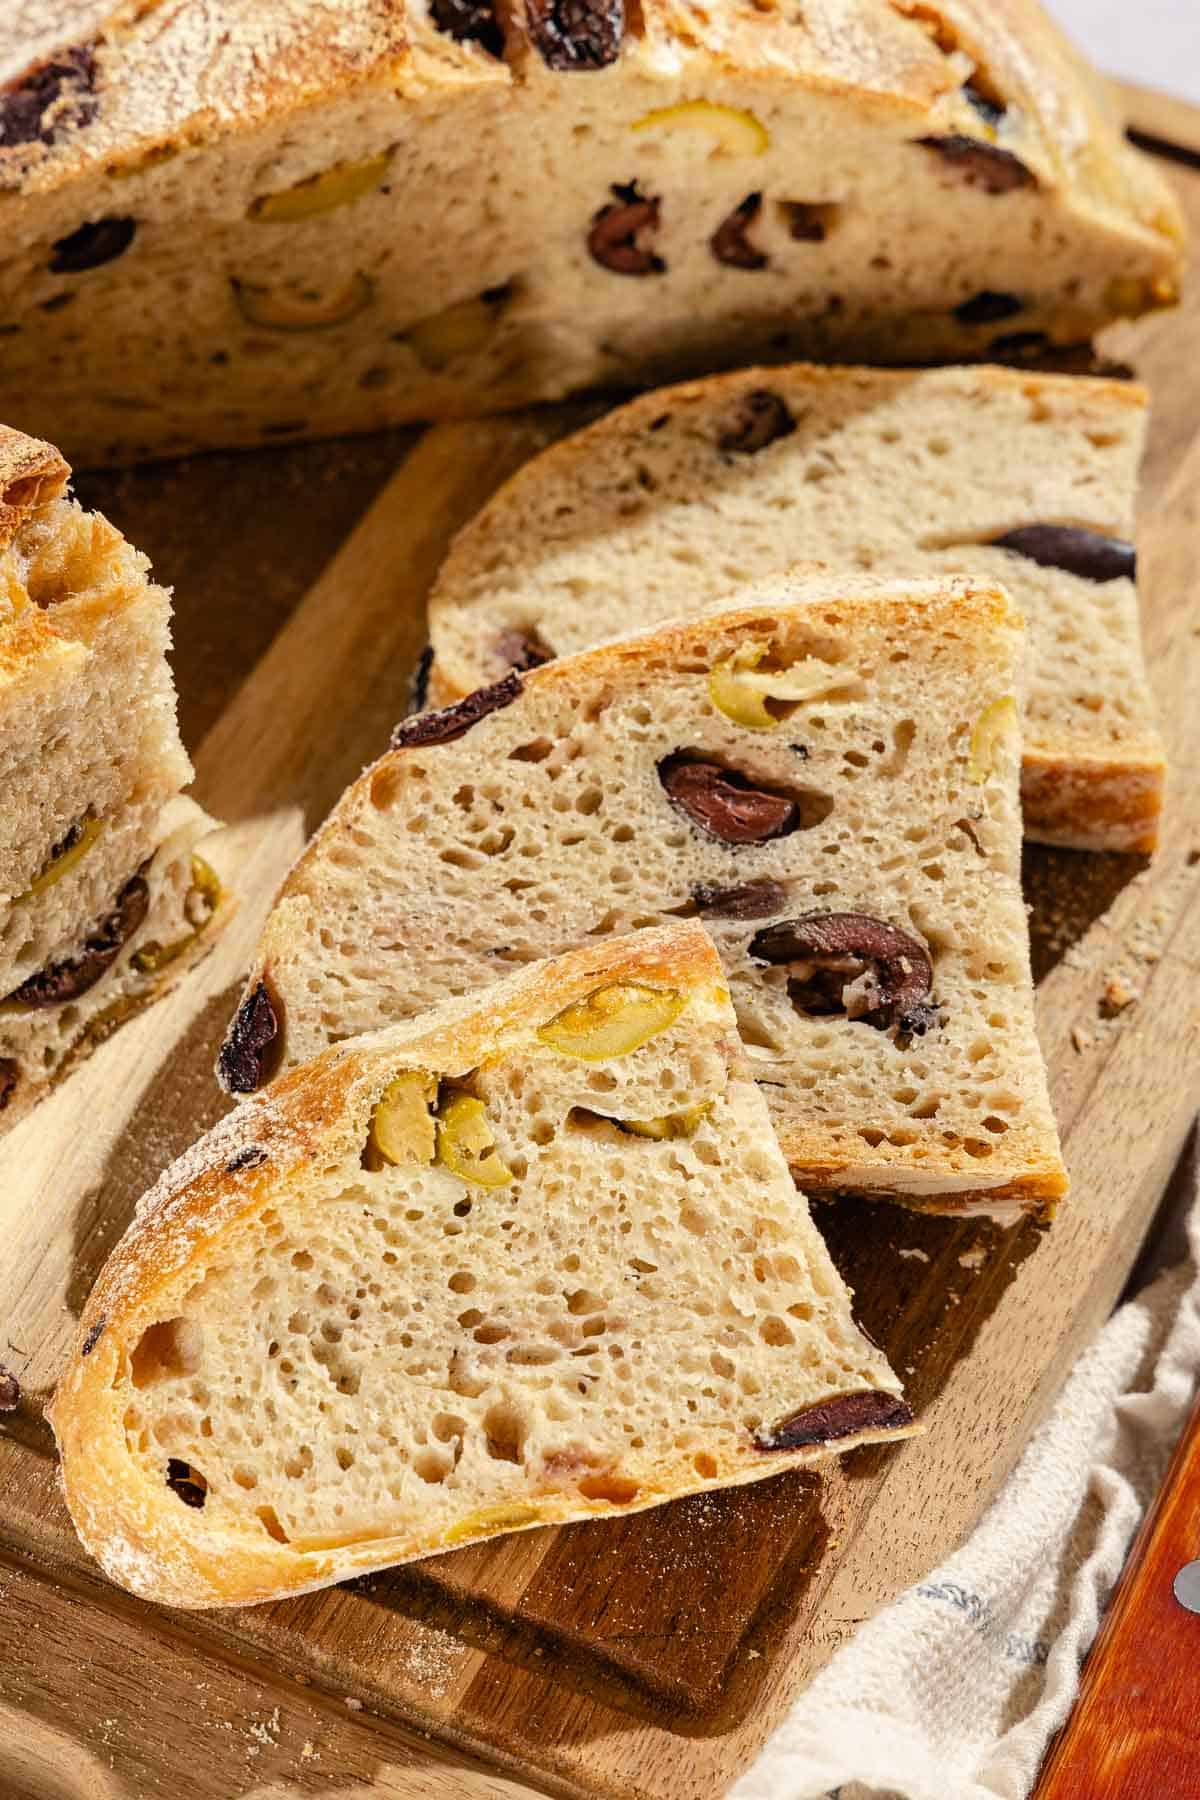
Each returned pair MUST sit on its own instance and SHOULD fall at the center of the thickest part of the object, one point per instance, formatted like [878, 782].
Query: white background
[1153, 41]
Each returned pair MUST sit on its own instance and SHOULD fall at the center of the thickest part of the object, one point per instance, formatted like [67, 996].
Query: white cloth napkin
[954, 1692]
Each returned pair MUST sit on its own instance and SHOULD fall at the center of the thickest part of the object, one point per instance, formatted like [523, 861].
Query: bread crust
[32, 473]
[197, 73]
[139, 1535]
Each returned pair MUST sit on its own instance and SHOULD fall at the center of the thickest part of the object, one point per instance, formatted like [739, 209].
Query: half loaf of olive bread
[256, 222]
[826, 774]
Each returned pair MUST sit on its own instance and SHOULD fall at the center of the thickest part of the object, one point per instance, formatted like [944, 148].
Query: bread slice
[159, 923]
[605, 792]
[684, 494]
[95, 845]
[532, 1257]
[262, 222]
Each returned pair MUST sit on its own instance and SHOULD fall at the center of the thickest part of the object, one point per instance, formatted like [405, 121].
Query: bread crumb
[973, 1259]
[353, 1704]
[1080, 1038]
[914, 1255]
[309, 1751]
[1117, 996]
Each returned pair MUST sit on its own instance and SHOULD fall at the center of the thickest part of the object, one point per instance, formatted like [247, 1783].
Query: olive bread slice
[97, 877]
[685, 493]
[534, 1256]
[826, 774]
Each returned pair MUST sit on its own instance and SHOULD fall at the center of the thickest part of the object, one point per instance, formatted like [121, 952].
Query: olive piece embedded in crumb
[618, 233]
[981, 165]
[69, 979]
[854, 964]
[761, 418]
[833, 1419]
[1073, 548]
[729, 243]
[97, 242]
[573, 35]
[987, 308]
[523, 649]
[469, 21]
[54, 98]
[252, 1046]
[455, 721]
[729, 806]
[753, 900]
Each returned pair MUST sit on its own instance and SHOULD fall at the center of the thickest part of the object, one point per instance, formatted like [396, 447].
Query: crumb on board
[352, 1703]
[432, 1658]
[973, 1258]
[914, 1255]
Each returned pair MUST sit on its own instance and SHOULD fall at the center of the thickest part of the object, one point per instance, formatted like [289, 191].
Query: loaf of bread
[676, 498]
[103, 898]
[827, 775]
[262, 220]
[532, 1257]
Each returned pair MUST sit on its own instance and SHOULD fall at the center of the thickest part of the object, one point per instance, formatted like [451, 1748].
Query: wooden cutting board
[644, 1659]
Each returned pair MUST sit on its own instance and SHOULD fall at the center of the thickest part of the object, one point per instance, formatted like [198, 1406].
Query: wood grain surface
[644, 1659]
[1133, 1732]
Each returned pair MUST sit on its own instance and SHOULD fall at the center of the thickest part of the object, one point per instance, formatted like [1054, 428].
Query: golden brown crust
[32, 474]
[1036, 1192]
[1083, 802]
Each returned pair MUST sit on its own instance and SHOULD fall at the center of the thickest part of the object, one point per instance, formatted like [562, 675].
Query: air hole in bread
[618, 1490]
[270, 1522]
[505, 1431]
[165, 1351]
[535, 752]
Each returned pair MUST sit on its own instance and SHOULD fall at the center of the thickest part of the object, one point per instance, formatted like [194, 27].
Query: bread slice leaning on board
[826, 774]
[532, 1257]
[104, 898]
[685, 493]
[255, 223]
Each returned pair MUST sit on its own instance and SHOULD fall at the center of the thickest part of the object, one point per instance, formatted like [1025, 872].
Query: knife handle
[1134, 1732]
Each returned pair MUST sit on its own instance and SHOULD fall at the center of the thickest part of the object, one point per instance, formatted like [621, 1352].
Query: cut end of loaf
[507, 1265]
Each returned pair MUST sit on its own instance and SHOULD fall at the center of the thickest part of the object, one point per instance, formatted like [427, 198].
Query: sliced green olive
[201, 902]
[612, 1021]
[403, 1131]
[459, 331]
[670, 1125]
[994, 724]
[204, 895]
[465, 1144]
[491, 1518]
[731, 130]
[742, 692]
[323, 193]
[302, 306]
[64, 856]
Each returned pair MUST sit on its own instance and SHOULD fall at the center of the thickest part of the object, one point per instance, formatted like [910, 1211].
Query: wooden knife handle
[1134, 1733]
